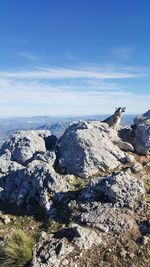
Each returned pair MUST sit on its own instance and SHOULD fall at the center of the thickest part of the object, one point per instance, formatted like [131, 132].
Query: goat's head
[119, 111]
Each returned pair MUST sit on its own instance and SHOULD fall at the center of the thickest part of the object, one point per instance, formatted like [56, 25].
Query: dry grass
[122, 252]
[17, 250]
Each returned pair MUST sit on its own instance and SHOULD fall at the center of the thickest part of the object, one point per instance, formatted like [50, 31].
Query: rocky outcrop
[142, 118]
[142, 133]
[35, 165]
[25, 144]
[105, 217]
[38, 180]
[64, 247]
[104, 203]
[102, 207]
[126, 134]
[121, 188]
[27, 170]
[8, 166]
[88, 148]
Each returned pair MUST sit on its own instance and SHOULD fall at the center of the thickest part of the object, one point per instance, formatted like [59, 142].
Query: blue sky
[74, 57]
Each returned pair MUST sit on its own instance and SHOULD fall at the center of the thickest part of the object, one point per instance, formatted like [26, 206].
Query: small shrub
[17, 250]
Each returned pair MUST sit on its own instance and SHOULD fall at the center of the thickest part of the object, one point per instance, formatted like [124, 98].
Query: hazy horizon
[67, 115]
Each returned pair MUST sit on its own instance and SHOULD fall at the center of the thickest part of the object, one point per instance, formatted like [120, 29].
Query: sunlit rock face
[142, 133]
[88, 148]
[27, 169]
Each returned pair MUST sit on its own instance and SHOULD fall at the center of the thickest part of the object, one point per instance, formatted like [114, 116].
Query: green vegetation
[17, 250]
[54, 227]
[77, 182]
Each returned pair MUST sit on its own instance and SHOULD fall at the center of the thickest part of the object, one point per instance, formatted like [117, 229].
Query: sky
[74, 57]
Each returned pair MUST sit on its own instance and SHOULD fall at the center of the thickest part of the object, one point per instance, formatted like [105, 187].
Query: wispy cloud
[70, 73]
[28, 55]
[78, 90]
[122, 53]
[38, 99]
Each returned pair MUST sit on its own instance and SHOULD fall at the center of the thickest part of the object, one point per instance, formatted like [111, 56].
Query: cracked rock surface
[142, 133]
[87, 148]
[84, 181]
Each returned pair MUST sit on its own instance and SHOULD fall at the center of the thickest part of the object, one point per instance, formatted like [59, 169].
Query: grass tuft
[17, 251]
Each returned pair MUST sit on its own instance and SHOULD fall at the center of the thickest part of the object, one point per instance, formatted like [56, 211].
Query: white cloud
[29, 103]
[70, 73]
[59, 91]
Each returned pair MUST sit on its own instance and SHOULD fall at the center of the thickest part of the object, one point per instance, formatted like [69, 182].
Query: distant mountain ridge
[56, 125]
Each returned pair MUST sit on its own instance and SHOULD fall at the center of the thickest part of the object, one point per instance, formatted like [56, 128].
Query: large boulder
[24, 144]
[88, 148]
[142, 118]
[44, 180]
[37, 180]
[142, 133]
[27, 169]
[121, 188]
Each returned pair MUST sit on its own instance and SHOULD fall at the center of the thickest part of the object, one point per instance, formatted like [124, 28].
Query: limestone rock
[126, 134]
[125, 146]
[121, 188]
[60, 248]
[7, 220]
[88, 148]
[105, 217]
[142, 118]
[24, 144]
[7, 166]
[8, 171]
[130, 159]
[50, 252]
[85, 237]
[38, 180]
[137, 167]
[27, 169]
[45, 181]
[106, 204]
[4, 219]
[142, 133]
